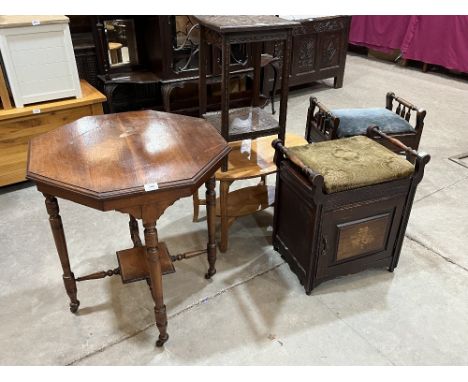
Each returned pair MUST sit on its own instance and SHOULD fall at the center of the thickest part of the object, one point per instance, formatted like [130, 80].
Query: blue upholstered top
[356, 121]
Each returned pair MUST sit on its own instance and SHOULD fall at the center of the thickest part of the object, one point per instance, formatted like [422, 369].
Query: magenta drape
[382, 33]
[440, 40]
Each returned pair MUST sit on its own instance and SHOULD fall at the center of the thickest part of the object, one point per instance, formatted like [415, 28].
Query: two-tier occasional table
[224, 31]
[138, 163]
[250, 130]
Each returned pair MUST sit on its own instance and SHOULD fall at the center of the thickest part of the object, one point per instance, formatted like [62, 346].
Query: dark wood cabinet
[152, 62]
[318, 51]
[166, 47]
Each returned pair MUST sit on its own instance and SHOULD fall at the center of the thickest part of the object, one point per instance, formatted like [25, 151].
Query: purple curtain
[382, 33]
[440, 40]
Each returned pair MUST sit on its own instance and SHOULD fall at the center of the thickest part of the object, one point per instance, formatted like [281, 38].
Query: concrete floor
[254, 311]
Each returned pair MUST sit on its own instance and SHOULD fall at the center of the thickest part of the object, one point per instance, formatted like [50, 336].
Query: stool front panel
[357, 235]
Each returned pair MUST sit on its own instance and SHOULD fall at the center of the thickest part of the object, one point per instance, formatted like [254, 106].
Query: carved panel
[329, 53]
[304, 54]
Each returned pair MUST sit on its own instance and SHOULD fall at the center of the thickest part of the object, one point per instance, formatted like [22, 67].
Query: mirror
[122, 48]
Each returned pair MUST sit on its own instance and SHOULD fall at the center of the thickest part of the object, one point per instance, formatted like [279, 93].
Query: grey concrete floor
[254, 311]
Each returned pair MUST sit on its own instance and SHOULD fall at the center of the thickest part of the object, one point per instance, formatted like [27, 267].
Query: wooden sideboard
[319, 51]
[18, 125]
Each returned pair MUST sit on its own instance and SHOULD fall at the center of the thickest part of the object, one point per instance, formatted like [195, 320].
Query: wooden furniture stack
[167, 47]
[19, 125]
[249, 129]
[119, 162]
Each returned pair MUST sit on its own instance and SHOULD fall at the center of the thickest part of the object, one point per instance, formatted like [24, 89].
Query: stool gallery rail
[138, 163]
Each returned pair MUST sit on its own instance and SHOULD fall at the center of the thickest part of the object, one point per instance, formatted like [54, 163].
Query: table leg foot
[210, 273]
[161, 323]
[161, 341]
[74, 306]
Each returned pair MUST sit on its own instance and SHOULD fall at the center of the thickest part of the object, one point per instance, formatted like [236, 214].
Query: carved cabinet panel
[304, 55]
[319, 51]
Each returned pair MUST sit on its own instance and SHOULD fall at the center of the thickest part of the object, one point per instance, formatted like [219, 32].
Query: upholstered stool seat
[356, 121]
[352, 162]
[343, 205]
[405, 122]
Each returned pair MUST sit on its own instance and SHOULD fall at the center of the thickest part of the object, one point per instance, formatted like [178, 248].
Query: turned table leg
[211, 220]
[154, 267]
[61, 245]
[223, 205]
[134, 232]
[196, 206]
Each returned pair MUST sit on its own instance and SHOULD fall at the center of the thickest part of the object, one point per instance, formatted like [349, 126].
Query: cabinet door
[357, 235]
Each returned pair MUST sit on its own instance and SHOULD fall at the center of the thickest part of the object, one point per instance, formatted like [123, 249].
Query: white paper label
[151, 186]
[35, 22]
[36, 111]
[246, 146]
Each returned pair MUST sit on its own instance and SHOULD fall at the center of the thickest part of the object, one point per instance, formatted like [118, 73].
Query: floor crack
[440, 189]
[446, 258]
[171, 316]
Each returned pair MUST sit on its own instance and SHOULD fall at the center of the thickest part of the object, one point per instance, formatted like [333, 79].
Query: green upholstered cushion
[352, 162]
[356, 121]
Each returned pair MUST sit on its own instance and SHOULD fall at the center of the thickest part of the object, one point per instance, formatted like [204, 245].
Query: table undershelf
[247, 200]
[245, 122]
[133, 266]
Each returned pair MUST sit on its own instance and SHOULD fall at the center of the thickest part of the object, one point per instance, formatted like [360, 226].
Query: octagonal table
[137, 163]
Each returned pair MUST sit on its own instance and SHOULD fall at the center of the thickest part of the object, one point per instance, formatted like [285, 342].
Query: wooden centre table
[138, 163]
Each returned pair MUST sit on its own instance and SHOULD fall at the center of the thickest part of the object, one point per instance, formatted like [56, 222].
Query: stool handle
[422, 157]
[315, 179]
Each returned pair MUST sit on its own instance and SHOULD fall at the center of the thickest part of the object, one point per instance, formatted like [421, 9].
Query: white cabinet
[38, 56]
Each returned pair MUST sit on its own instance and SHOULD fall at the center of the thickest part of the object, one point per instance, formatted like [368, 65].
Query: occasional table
[224, 31]
[138, 163]
[250, 158]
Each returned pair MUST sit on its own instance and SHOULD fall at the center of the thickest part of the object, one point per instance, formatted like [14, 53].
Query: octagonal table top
[117, 155]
